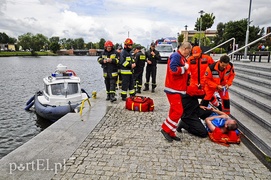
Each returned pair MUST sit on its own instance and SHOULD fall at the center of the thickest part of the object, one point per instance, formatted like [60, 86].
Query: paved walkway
[129, 145]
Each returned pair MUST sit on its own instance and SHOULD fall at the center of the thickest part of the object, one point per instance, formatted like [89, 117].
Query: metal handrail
[82, 105]
[233, 45]
[253, 42]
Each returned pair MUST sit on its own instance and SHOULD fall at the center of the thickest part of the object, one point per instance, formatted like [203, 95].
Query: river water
[20, 78]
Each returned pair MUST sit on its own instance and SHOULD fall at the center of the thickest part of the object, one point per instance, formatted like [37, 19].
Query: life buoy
[73, 73]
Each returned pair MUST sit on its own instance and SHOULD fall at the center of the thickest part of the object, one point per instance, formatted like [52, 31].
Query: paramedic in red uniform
[219, 77]
[175, 87]
[198, 63]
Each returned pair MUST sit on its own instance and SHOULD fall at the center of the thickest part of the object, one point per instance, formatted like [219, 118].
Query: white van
[165, 51]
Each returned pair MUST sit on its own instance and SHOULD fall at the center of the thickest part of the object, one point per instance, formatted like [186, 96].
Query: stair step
[260, 116]
[253, 80]
[253, 131]
[256, 66]
[255, 99]
[253, 88]
[253, 72]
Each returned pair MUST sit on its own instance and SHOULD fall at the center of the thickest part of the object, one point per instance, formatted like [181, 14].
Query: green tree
[204, 40]
[237, 29]
[218, 39]
[4, 38]
[89, 45]
[25, 40]
[79, 43]
[101, 43]
[206, 20]
[70, 44]
[39, 41]
[180, 38]
[54, 46]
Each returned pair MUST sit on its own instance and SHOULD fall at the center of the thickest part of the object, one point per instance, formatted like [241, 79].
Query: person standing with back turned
[175, 88]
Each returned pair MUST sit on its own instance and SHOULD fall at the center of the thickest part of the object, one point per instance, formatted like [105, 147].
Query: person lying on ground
[222, 129]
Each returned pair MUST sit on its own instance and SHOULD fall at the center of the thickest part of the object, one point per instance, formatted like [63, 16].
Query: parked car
[165, 51]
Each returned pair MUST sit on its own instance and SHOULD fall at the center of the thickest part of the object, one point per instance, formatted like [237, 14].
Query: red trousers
[224, 97]
[174, 115]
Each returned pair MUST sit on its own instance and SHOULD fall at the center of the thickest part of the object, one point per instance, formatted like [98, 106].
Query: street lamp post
[178, 34]
[200, 22]
[247, 32]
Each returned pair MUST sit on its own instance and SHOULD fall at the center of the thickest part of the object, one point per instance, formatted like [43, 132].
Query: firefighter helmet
[108, 44]
[128, 41]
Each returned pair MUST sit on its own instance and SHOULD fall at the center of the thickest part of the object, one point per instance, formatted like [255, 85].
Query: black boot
[138, 90]
[146, 87]
[112, 97]
[182, 125]
[123, 97]
[153, 87]
[108, 97]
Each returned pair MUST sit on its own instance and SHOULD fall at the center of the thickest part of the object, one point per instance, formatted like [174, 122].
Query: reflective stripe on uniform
[123, 71]
[142, 57]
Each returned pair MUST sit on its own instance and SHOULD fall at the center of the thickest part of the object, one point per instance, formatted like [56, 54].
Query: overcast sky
[145, 20]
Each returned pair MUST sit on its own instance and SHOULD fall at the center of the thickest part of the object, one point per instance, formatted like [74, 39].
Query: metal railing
[83, 104]
[253, 42]
[231, 39]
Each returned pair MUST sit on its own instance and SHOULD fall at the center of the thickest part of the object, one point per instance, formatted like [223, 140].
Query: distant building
[188, 34]
[7, 47]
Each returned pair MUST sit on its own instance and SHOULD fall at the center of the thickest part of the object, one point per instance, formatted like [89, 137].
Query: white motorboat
[62, 94]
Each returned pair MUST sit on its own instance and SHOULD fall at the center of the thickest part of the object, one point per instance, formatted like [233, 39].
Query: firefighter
[140, 60]
[219, 77]
[152, 56]
[175, 87]
[127, 64]
[119, 81]
[109, 61]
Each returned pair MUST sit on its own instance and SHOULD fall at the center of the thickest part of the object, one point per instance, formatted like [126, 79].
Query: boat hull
[52, 113]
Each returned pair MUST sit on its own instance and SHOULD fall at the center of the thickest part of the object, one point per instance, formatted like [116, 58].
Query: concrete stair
[250, 97]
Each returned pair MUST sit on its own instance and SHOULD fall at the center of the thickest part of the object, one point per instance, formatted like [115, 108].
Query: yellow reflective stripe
[114, 74]
[125, 63]
[124, 92]
[105, 74]
[128, 58]
[112, 56]
[142, 57]
[126, 72]
[104, 56]
[131, 91]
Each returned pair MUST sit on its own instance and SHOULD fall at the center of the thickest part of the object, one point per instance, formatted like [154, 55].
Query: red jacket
[197, 68]
[177, 76]
[214, 77]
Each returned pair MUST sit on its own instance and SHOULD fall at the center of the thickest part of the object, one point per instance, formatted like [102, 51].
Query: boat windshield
[59, 89]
